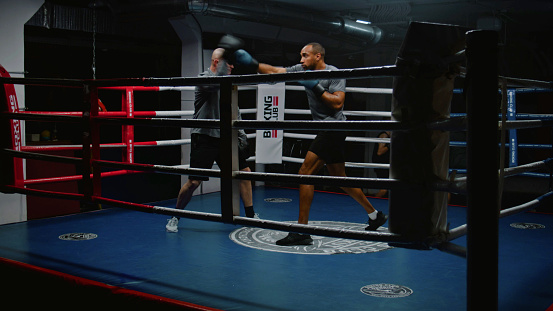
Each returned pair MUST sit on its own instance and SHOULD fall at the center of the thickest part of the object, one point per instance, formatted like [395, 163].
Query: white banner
[270, 107]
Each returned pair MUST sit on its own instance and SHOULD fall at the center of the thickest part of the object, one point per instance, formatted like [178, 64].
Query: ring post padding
[127, 131]
[482, 167]
[511, 116]
[11, 134]
[228, 107]
[89, 137]
[420, 155]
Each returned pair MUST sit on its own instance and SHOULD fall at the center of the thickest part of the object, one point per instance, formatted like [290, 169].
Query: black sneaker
[379, 221]
[295, 239]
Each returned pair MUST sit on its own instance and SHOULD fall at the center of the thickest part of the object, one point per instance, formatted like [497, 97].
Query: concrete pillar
[13, 16]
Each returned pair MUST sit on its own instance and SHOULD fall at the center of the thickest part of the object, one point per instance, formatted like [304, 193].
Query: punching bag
[430, 55]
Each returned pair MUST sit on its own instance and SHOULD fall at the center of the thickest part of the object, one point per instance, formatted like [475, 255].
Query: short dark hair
[317, 48]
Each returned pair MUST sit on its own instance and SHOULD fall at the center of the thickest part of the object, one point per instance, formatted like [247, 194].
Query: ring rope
[267, 224]
[510, 171]
[518, 82]
[143, 114]
[521, 169]
[362, 182]
[370, 125]
[525, 124]
[353, 73]
[348, 164]
[177, 169]
[461, 230]
[155, 143]
[525, 206]
[322, 125]
[160, 122]
[349, 138]
[346, 112]
[48, 180]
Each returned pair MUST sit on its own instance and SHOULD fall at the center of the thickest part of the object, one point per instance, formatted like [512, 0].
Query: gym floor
[230, 267]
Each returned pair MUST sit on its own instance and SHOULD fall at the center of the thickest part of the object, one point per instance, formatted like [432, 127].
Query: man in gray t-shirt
[326, 102]
[319, 110]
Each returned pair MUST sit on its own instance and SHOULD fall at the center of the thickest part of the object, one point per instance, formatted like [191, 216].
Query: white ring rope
[366, 90]
[349, 138]
[347, 113]
[174, 113]
[348, 164]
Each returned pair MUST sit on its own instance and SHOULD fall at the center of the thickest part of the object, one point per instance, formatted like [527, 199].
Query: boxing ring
[481, 185]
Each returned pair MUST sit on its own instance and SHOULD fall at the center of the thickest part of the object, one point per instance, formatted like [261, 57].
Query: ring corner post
[91, 144]
[482, 173]
[419, 155]
[230, 198]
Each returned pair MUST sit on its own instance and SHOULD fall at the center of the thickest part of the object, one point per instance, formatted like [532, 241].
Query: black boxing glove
[230, 44]
[243, 58]
[314, 86]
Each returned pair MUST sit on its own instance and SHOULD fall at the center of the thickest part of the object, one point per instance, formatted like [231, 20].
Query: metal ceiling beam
[263, 12]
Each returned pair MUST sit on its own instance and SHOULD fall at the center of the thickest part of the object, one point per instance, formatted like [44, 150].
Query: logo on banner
[16, 124]
[270, 112]
[270, 107]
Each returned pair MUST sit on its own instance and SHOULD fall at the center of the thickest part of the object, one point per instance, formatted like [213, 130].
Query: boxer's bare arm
[266, 68]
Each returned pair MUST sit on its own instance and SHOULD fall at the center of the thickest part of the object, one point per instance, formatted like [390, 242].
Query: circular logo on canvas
[77, 236]
[386, 290]
[526, 225]
[265, 239]
[278, 200]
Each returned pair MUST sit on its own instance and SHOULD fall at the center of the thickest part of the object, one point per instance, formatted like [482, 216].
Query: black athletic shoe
[295, 239]
[379, 221]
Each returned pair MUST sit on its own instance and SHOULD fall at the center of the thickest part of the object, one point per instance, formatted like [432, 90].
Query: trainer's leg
[339, 169]
[185, 194]
[186, 191]
[246, 190]
[246, 195]
[311, 165]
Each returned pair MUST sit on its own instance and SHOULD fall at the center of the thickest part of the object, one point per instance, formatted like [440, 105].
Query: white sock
[372, 215]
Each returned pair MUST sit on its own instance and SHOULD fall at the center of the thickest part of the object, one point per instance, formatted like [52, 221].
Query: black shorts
[205, 150]
[330, 147]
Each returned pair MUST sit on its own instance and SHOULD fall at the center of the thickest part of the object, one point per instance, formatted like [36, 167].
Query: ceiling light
[360, 21]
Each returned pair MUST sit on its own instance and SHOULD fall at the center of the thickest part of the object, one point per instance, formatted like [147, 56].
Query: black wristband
[318, 90]
[254, 64]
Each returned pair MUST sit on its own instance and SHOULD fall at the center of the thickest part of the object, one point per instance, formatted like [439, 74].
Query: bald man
[205, 141]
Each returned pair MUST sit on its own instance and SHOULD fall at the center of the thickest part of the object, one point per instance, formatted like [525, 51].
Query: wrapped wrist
[318, 90]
